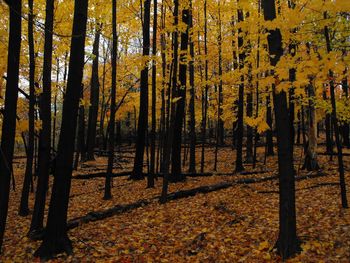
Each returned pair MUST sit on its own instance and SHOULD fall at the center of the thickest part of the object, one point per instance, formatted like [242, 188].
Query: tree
[150, 178]
[9, 120]
[44, 151]
[287, 243]
[94, 97]
[107, 193]
[55, 237]
[180, 103]
[23, 208]
[192, 124]
[143, 115]
[240, 102]
[344, 200]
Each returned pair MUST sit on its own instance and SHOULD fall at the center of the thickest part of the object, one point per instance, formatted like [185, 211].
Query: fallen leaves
[237, 224]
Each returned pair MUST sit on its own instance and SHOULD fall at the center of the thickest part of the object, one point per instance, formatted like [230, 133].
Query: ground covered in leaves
[237, 224]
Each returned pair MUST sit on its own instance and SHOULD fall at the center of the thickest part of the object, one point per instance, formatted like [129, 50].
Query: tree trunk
[80, 154]
[205, 93]
[23, 208]
[143, 114]
[45, 133]
[345, 126]
[180, 103]
[192, 124]
[311, 163]
[55, 238]
[9, 120]
[107, 192]
[240, 128]
[150, 177]
[342, 182]
[287, 243]
[269, 132]
[94, 98]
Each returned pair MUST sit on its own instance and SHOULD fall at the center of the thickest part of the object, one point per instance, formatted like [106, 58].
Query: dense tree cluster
[79, 78]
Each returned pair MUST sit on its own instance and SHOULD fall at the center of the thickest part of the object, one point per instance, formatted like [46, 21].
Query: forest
[174, 130]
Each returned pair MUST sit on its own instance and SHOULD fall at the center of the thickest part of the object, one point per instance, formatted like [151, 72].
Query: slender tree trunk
[54, 121]
[329, 141]
[171, 105]
[107, 192]
[239, 162]
[44, 152]
[9, 120]
[150, 178]
[249, 143]
[221, 131]
[80, 153]
[192, 124]
[205, 95]
[287, 243]
[344, 200]
[311, 163]
[345, 126]
[143, 114]
[94, 98]
[102, 111]
[55, 238]
[28, 175]
[180, 103]
[269, 132]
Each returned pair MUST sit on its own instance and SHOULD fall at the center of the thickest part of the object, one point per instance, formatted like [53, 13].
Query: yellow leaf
[263, 245]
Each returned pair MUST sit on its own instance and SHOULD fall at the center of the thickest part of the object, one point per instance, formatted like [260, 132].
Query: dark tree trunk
[311, 163]
[80, 154]
[292, 78]
[239, 134]
[342, 182]
[23, 208]
[345, 127]
[54, 121]
[192, 124]
[150, 177]
[249, 145]
[269, 132]
[45, 133]
[180, 104]
[329, 140]
[94, 98]
[170, 105]
[143, 114]
[107, 192]
[205, 93]
[102, 111]
[220, 128]
[55, 238]
[299, 127]
[287, 243]
[9, 120]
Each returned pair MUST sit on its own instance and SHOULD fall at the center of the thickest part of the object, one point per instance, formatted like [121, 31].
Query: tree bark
[287, 243]
[150, 177]
[9, 120]
[107, 192]
[180, 103]
[342, 182]
[55, 238]
[44, 151]
[94, 98]
[192, 124]
[239, 134]
[23, 208]
[143, 114]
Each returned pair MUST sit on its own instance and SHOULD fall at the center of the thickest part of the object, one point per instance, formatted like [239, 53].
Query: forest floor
[236, 224]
